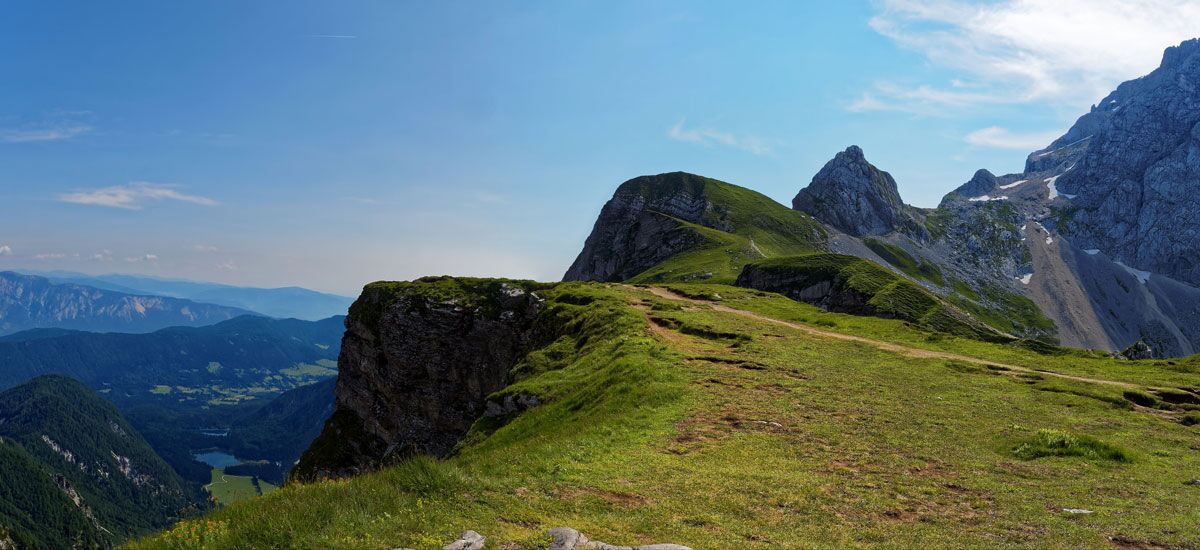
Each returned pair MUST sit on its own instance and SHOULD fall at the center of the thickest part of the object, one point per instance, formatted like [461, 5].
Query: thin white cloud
[142, 258]
[1002, 138]
[102, 256]
[710, 136]
[204, 248]
[1063, 52]
[49, 256]
[133, 196]
[44, 133]
[5, 250]
[227, 265]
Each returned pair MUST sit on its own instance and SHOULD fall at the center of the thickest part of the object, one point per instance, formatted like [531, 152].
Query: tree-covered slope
[226, 363]
[723, 417]
[76, 473]
[35, 512]
[283, 428]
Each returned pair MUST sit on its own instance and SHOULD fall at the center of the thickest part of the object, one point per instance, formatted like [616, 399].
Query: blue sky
[329, 144]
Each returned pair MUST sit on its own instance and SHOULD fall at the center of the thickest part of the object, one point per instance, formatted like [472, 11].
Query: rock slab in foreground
[566, 538]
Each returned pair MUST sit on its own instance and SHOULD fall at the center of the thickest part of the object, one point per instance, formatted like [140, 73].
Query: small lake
[216, 458]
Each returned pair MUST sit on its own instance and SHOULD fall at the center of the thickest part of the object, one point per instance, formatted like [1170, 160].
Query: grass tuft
[1057, 443]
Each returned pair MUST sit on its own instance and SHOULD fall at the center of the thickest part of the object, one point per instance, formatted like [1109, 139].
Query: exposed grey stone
[981, 183]
[854, 196]
[469, 540]
[511, 404]
[1137, 180]
[1077, 511]
[566, 538]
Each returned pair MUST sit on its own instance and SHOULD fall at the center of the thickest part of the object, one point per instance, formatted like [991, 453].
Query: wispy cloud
[5, 250]
[142, 258]
[709, 137]
[49, 256]
[55, 125]
[227, 265]
[204, 248]
[1002, 138]
[102, 256]
[43, 133]
[133, 196]
[1065, 52]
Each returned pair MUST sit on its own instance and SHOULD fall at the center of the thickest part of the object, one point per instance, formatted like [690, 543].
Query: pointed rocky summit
[854, 196]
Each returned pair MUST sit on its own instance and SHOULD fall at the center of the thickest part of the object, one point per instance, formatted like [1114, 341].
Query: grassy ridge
[675, 422]
[881, 292]
[902, 260]
[759, 228]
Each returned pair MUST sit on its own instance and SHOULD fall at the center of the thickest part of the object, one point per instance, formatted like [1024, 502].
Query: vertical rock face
[1135, 180]
[635, 229]
[855, 197]
[417, 363]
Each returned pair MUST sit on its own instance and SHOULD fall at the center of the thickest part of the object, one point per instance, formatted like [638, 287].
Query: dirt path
[223, 480]
[878, 344]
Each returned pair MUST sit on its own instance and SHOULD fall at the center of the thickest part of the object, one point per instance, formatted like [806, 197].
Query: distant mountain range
[285, 302]
[28, 301]
[75, 474]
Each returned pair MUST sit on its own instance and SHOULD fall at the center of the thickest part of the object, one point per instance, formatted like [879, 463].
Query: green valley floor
[720, 417]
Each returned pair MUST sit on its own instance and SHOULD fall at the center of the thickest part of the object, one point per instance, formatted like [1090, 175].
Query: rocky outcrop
[981, 183]
[639, 227]
[857, 198]
[417, 364]
[825, 288]
[469, 540]
[1135, 181]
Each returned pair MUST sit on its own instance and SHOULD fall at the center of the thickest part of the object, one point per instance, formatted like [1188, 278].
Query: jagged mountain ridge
[1135, 181]
[28, 301]
[284, 302]
[1094, 245]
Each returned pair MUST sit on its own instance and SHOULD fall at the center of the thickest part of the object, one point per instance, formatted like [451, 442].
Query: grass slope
[227, 489]
[677, 421]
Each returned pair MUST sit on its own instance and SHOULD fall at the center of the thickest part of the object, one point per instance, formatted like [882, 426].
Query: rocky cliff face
[857, 198]
[639, 226]
[417, 363]
[1135, 180]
